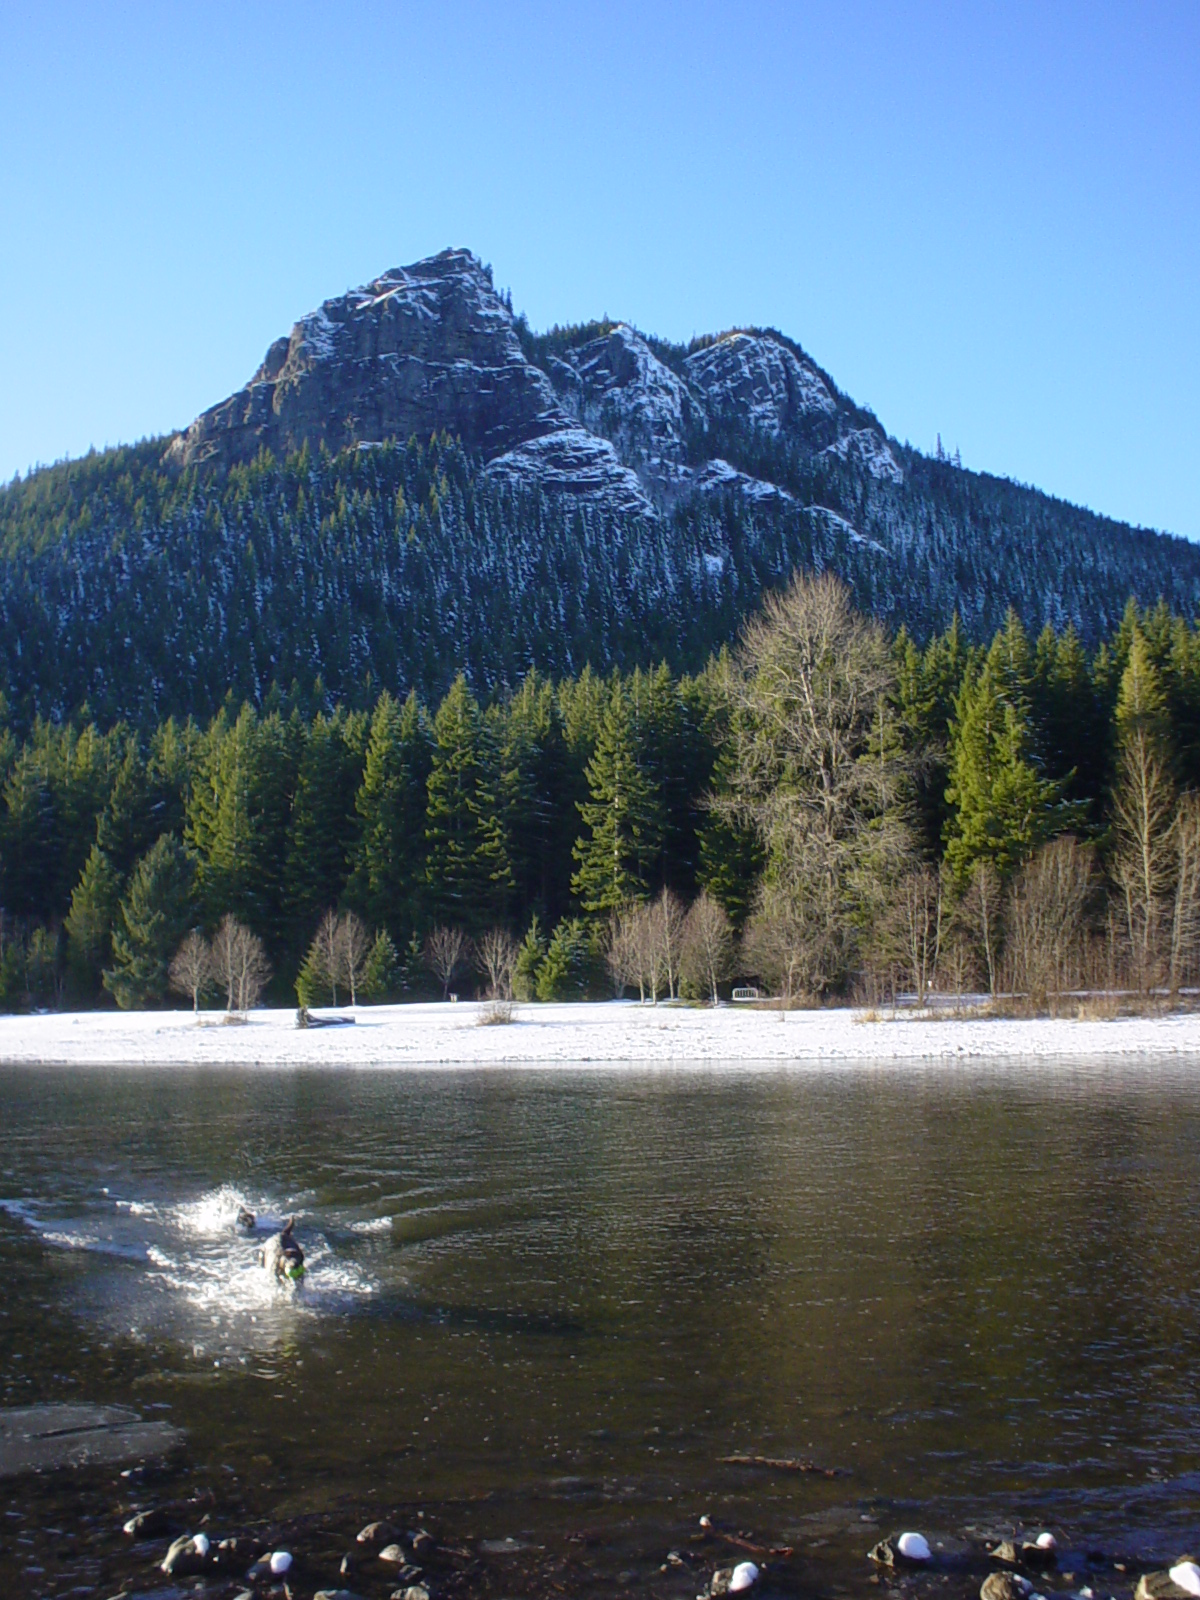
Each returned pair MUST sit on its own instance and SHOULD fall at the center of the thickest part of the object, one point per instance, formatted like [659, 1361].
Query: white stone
[1046, 1541]
[200, 1544]
[280, 1562]
[1186, 1576]
[913, 1547]
[744, 1576]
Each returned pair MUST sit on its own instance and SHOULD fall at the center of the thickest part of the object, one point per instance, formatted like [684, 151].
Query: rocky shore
[149, 1533]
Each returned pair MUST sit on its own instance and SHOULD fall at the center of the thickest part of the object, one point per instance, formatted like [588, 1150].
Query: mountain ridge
[413, 481]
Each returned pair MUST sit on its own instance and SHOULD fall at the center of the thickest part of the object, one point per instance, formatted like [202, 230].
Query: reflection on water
[975, 1290]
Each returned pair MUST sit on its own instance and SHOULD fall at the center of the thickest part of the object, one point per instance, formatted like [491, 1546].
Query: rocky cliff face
[421, 350]
[606, 421]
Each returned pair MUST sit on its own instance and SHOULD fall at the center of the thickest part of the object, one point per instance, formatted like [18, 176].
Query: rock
[347, 1567]
[1005, 1554]
[186, 1556]
[1046, 1541]
[148, 1524]
[378, 1533]
[1004, 1586]
[279, 1562]
[913, 1547]
[895, 1552]
[395, 1553]
[408, 1574]
[423, 1542]
[743, 1576]
[719, 1582]
[44, 1438]
[422, 349]
[1160, 1586]
[416, 1591]
[336, 1594]
[1186, 1574]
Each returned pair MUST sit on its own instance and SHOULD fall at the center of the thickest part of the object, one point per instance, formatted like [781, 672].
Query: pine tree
[152, 920]
[533, 786]
[89, 923]
[386, 883]
[467, 868]
[322, 822]
[1002, 808]
[623, 815]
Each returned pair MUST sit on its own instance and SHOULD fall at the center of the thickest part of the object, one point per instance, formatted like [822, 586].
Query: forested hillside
[414, 484]
[581, 816]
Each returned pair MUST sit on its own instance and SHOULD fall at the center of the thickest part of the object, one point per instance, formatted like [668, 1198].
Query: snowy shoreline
[580, 1035]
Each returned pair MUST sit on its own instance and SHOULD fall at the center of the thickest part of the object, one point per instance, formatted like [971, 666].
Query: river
[544, 1306]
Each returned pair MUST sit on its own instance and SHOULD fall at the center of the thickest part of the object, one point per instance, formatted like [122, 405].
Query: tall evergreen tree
[387, 880]
[152, 920]
[89, 922]
[467, 868]
[1002, 807]
[322, 833]
[623, 815]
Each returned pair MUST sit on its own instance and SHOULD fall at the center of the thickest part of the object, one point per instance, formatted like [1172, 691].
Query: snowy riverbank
[575, 1035]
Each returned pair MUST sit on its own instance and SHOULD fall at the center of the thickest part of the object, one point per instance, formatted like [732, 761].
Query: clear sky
[983, 220]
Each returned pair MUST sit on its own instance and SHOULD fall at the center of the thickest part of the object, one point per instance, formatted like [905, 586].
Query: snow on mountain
[760, 379]
[574, 461]
[870, 450]
[717, 476]
[617, 386]
[837, 526]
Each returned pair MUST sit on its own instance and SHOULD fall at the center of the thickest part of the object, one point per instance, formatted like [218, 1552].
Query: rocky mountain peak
[432, 347]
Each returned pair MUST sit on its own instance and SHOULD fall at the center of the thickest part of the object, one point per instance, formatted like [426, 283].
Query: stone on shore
[1160, 1586]
[1004, 1586]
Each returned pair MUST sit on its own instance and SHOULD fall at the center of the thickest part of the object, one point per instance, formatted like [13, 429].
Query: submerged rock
[377, 1533]
[1161, 1586]
[187, 1556]
[906, 1549]
[1005, 1586]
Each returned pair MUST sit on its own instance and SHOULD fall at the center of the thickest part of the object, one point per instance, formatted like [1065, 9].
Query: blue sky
[983, 220]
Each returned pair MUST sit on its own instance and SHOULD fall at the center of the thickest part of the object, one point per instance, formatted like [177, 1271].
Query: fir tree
[1002, 807]
[467, 867]
[623, 815]
[389, 859]
[89, 923]
[151, 922]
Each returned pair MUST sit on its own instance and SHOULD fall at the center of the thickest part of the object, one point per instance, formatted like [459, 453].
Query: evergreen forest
[828, 807]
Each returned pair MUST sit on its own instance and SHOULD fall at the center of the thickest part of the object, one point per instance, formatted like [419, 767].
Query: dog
[282, 1256]
[246, 1220]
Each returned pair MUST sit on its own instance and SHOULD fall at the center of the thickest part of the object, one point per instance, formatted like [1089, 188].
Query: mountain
[414, 480]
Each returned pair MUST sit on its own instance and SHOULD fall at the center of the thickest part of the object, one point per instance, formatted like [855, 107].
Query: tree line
[828, 809]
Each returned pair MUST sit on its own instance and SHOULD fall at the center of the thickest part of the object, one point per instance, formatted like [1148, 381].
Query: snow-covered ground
[576, 1035]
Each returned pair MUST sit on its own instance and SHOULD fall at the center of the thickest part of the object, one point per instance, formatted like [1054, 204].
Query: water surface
[559, 1299]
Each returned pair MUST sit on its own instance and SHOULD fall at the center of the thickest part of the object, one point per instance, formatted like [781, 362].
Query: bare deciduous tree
[818, 771]
[253, 970]
[496, 952]
[1185, 902]
[353, 946]
[914, 927]
[666, 915]
[981, 912]
[707, 945]
[192, 968]
[325, 955]
[240, 964]
[1047, 907]
[777, 943]
[621, 950]
[445, 951]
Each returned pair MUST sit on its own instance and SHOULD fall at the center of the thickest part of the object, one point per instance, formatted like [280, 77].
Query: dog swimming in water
[246, 1220]
[282, 1255]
